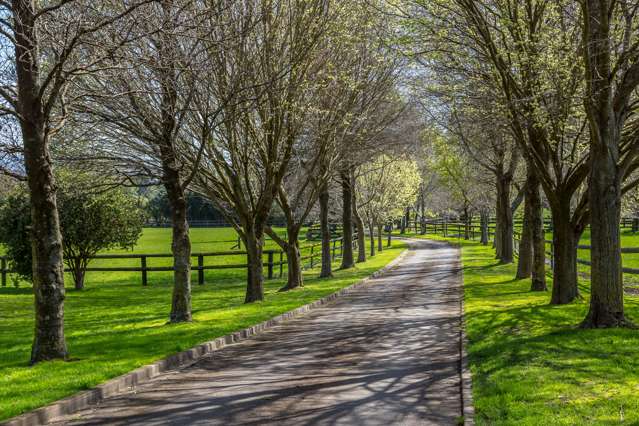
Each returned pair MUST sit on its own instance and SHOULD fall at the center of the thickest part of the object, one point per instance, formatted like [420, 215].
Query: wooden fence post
[281, 263]
[200, 269]
[333, 250]
[270, 264]
[143, 266]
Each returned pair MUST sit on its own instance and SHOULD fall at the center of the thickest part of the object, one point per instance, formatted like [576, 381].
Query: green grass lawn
[531, 365]
[115, 325]
[628, 239]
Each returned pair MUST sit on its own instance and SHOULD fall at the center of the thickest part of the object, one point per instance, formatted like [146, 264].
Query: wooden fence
[274, 259]
[458, 230]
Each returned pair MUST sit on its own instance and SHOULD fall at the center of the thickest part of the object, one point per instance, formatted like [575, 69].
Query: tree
[138, 102]
[35, 86]
[90, 220]
[244, 153]
[384, 186]
[94, 221]
[530, 51]
[611, 61]
[464, 180]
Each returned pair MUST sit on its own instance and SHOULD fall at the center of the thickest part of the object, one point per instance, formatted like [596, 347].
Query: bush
[90, 221]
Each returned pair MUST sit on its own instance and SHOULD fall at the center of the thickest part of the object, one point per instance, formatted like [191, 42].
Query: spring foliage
[90, 221]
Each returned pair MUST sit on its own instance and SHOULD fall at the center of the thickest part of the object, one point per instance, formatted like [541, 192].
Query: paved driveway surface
[387, 353]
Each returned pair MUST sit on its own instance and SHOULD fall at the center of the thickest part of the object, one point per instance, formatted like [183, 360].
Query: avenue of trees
[259, 107]
[361, 111]
[543, 96]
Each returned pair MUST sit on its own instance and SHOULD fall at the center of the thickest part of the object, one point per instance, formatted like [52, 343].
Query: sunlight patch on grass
[116, 325]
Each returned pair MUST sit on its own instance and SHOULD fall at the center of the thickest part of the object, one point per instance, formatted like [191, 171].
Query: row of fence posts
[200, 268]
[144, 269]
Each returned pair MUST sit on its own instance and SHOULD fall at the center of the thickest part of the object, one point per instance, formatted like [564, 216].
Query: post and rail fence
[274, 259]
[463, 230]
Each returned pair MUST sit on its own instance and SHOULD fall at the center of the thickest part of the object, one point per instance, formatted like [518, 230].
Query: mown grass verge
[115, 325]
[530, 363]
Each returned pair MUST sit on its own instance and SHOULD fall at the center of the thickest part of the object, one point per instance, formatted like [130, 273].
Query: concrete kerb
[129, 381]
[468, 409]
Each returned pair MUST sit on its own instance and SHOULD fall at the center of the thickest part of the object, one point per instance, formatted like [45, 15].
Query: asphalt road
[386, 354]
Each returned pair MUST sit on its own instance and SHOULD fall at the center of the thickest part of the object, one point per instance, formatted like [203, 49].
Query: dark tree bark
[609, 89]
[467, 220]
[538, 272]
[525, 257]
[254, 242]
[371, 229]
[359, 224]
[347, 220]
[324, 198]
[292, 249]
[77, 265]
[422, 215]
[361, 234]
[483, 224]
[406, 221]
[180, 247]
[181, 243]
[565, 240]
[380, 238]
[390, 231]
[48, 270]
[78, 279]
[504, 229]
[606, 297]
[294, 262]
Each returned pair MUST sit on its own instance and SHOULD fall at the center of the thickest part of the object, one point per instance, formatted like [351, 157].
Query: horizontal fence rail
[274, 258]
[473, 231]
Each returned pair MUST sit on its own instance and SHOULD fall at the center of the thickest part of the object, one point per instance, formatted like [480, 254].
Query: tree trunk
[347, 221]
[380, 238]
[180, 247]
[371, 229]
[359, 223]
[326, 270]
[606, 297]
[467, 220]
[254, 242]
[538, 273]
[294, 262]
[48, 268]
[565, 240]
[483, 224]
[390, 232]
[608, 104]
[422, 218]
[78, 275]
[504, 231]
[525, 256]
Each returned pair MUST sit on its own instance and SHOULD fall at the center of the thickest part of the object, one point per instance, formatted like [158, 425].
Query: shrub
[90, 221]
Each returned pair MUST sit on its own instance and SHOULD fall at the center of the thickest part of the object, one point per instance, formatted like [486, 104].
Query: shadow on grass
[15, 290]
[531, 362]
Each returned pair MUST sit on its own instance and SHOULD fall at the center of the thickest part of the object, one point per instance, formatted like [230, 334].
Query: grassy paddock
[531, 365]
[115, 325]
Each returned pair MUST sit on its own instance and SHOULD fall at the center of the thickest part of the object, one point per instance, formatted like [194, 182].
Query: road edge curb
[466, 384]
[128, 381]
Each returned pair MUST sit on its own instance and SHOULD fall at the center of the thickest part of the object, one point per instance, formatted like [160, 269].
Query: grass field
[115, 325]
[628, 239]
[531, 365]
